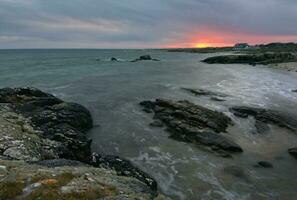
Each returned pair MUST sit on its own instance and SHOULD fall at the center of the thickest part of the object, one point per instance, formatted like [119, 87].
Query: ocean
[112, 90]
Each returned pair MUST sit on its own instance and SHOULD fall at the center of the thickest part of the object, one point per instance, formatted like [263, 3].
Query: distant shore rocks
[144, 58]
[253, 59]
[194, 124]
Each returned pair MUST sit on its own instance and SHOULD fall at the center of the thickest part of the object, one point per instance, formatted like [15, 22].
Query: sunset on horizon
[145, 23]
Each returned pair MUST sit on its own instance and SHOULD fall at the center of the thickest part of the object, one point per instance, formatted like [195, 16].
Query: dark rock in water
[214, 96]
[294, 90]
[293, 151]
[192, 123]
[156, 123]
[264, 164]
[123, 168]
[203, 92]
[113, 59]
[268, 116]
[145, 57]
[217, 99]
[98, 59]
[261, 127]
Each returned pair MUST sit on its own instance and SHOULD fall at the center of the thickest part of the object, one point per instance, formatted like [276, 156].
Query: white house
[241, 46]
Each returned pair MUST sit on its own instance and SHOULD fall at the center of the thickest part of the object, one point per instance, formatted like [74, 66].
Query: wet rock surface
[123, 167]
[265, 116]
[43, 130]
[194, 124]
[145, 57]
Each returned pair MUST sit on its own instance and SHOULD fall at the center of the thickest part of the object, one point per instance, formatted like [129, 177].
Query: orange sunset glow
[222, 38]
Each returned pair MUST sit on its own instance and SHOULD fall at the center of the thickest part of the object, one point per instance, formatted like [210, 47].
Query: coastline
[44, 151]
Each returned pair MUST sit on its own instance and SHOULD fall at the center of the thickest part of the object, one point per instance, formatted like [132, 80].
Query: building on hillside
[241, 46]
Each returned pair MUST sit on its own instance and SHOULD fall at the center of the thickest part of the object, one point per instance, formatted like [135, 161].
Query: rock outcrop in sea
[145, 57]
[45, 154]
[194, 124]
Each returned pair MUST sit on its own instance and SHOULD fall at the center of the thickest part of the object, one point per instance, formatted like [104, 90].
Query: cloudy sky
[144, 23]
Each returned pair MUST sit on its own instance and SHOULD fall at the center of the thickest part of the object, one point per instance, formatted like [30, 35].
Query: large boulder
[194, 124]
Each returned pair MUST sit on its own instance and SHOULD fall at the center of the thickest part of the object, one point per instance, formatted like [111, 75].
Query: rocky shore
[274, 60]
[195, 124]
[261, 58]
[44, 153]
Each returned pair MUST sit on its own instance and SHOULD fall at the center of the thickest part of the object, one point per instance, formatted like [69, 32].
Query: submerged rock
[294, 90]
[214, 96]
[194, 124]
[261, 127]
[203, 92]
[267, 116]
[293, 151]
[156, 123]
[264, 164]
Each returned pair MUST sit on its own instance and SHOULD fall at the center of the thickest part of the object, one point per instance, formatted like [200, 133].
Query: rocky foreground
[44, 153]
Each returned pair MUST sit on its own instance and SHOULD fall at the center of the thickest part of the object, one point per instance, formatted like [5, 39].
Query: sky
[145, 23]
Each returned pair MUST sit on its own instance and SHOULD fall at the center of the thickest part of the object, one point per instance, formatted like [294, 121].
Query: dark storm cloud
[139, 23]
